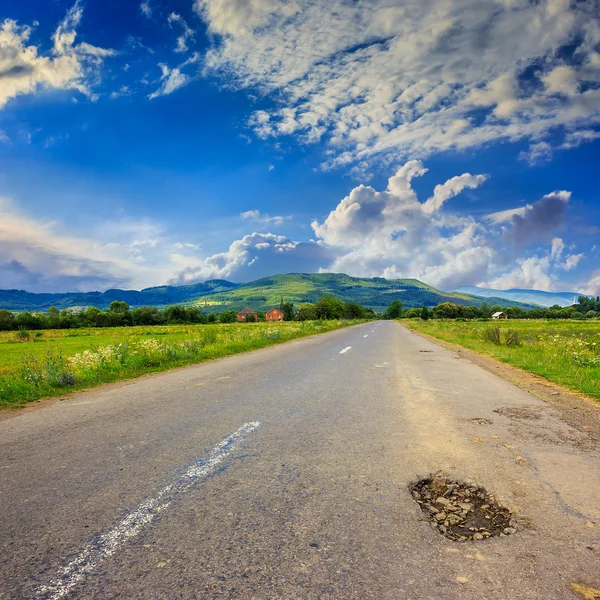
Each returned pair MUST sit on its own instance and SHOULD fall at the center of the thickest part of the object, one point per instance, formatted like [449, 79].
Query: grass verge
[564, 352]
[58, 363]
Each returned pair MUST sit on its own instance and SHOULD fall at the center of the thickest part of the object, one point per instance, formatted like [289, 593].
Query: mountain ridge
[218, 295]
[527, 296]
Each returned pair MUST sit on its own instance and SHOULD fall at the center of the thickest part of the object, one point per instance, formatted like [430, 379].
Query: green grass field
[59, 361]
[564, 352]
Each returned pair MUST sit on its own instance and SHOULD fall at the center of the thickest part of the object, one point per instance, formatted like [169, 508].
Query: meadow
[34, 365]
[564, 352]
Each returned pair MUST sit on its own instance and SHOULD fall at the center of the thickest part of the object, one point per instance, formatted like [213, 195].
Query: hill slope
[262, 294]
[155, 296]
[376, 293]
[527, 296]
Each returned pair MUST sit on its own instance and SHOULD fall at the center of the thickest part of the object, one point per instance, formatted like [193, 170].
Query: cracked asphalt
[296, 463]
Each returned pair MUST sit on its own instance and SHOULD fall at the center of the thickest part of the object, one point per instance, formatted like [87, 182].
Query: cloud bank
[68, 66]
[388, 233]
[391, 233]
[379, 79]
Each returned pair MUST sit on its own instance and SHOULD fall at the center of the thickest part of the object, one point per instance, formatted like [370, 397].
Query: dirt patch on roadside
[460, 511]
[530, 413]
[577, 410]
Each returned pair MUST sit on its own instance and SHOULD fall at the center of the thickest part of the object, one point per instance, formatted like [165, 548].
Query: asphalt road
[284, 473]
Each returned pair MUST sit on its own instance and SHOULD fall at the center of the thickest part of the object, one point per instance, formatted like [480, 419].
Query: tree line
[586, 308]
[119, 314]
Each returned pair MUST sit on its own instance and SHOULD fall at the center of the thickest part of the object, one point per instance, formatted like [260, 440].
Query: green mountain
[262, 294]
[376, 293]
[165, 295]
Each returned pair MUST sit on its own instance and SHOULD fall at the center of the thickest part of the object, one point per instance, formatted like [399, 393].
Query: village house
[274, 315]
[499, 315]
[245, 312]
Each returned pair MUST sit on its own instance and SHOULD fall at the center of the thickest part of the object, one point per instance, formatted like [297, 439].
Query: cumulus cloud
[529, 273]
[257, 255]
[69, 65]
[540, 221]
[392, 234]
[379, 78]
[593, 285]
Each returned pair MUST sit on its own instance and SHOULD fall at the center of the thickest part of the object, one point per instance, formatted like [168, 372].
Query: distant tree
[485, 310]
[411, 313]
[228, 316]
[27, 320]
[194, 315]
[6, 320]
[288, 311]
[447, 310]
[261, 315]
[147, 315]
[329, 307]
[211, 318]
[425, 313]
[394, 310]
[175, 315]
[118, 306]
[250, 318]
[53, 318]
[306, 312]
[352, 310]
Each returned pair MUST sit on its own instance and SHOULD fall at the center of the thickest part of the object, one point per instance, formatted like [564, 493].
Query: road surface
[284, 473]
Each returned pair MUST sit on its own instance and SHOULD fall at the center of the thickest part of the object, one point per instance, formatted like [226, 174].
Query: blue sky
[153, 142]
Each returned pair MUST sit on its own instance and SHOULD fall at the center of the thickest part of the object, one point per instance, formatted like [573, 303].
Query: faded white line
[367, 335]
[345, 350]
[69, 576]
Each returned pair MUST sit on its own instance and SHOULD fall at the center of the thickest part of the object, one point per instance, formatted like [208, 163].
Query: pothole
[460, 511]
[480, 421]
[519, 412]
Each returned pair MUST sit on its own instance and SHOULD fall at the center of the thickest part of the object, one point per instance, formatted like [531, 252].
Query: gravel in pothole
[461, 511]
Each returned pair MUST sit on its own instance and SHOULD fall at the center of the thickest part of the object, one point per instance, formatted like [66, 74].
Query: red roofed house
[274, 315]
[243, 314]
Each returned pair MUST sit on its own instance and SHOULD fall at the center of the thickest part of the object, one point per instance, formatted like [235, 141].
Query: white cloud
[69, 66]
[146, 9]
[186, 35]
[258, 217]
[572, 261]
[379, 78]
[392, 234]
[175, 78]
[593, 285]
[558, 247]
[451, 188]
[529, 273]
[254, 256]
[505, 216]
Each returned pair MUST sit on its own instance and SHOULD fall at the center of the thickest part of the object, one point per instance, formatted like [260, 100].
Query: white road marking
[367, 335]
[345, 350]
[69, 576]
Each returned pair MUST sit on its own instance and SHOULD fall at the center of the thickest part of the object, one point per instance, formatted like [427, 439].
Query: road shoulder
[577, 410]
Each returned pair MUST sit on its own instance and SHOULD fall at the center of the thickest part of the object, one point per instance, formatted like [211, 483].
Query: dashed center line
[105, 546]
[345, 350]
[366, 335]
